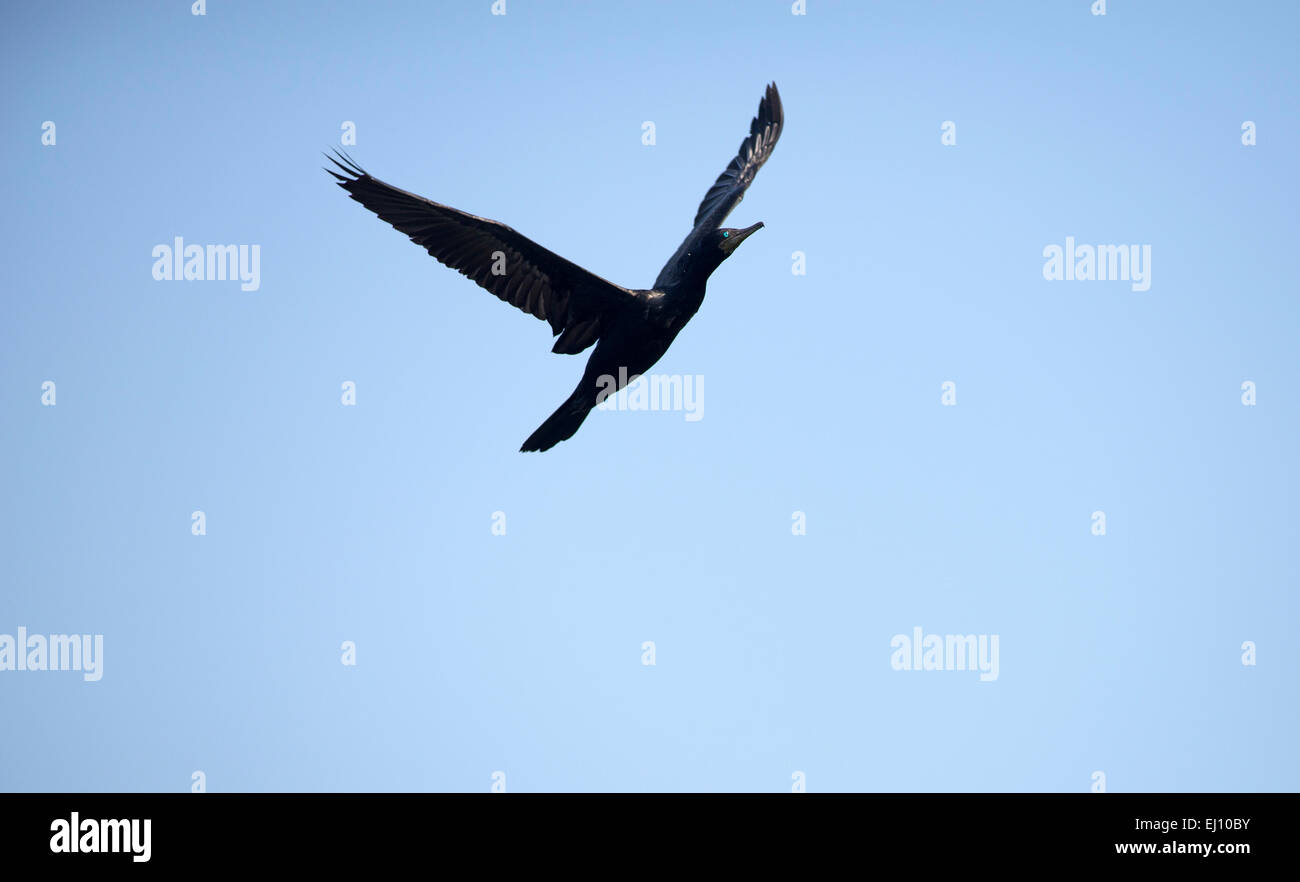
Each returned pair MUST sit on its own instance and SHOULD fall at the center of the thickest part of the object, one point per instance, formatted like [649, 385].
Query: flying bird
[632, 328]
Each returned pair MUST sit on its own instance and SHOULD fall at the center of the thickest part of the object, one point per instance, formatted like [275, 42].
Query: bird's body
[632, 328]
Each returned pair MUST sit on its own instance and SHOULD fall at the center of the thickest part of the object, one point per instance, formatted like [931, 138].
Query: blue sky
[522, 653]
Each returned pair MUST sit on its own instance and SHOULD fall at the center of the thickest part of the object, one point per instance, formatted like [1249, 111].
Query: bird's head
[727, 240]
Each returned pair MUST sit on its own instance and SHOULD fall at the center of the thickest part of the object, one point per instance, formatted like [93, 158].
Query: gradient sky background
[522, 653]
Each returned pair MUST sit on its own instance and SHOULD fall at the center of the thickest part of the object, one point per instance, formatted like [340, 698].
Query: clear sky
[523, 653]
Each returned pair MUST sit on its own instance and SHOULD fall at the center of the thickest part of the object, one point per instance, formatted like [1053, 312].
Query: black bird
[632, 329]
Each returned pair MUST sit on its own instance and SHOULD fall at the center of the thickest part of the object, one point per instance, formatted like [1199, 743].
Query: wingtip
[345, 162]
[773, 98]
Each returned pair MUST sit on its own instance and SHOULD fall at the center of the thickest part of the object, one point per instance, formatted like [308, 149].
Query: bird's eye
[726, 235]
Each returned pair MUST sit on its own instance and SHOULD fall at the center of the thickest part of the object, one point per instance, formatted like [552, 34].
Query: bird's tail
[562, 424]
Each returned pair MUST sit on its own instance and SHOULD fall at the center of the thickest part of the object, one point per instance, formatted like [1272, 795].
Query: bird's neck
[690, 266]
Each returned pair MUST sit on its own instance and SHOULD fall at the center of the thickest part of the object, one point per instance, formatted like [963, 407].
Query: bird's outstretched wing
[510, 265]
[729, 188]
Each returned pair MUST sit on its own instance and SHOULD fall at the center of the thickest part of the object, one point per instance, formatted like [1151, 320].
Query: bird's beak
[742, 235]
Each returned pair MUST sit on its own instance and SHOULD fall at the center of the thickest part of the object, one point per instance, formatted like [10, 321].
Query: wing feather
[729, 188]
[496, 257]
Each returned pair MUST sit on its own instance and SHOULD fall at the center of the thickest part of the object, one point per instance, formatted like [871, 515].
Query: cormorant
[631, 328]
